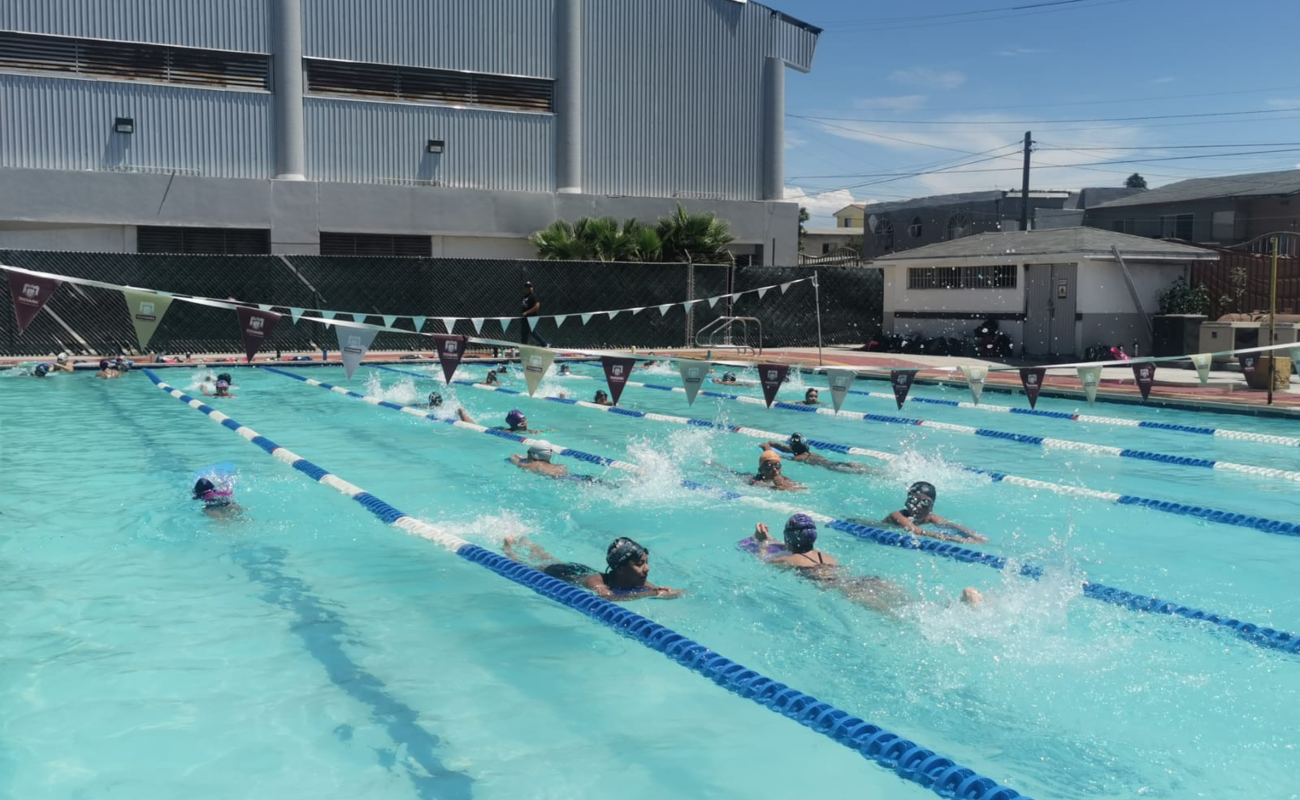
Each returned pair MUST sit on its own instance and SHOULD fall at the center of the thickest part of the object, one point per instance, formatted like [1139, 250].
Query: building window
[1177, 226]
[959, 225]
[1001, 276]
[132, 61]
[884, 235]
[1123, 225]
[826, 248]
[375, 244]
[418, 85]
[914, 230]
[207, 241]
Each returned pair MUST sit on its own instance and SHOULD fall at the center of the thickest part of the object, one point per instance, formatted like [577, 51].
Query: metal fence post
[690, 310]
[817, 297]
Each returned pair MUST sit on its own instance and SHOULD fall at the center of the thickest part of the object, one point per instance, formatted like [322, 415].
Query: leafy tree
[695, 238]
[803, 217]
[1135, 181]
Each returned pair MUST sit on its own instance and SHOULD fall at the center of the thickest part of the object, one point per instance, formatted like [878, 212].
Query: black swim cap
[730, 376]
[201, 487]
[601, 395]
[798, 444]
[623, 550]
[435, 399]
[225, 376]
[923, 487]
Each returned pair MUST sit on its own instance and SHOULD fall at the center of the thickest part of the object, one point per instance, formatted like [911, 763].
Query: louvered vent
[415, 85]
[215, 241]
[374, 244]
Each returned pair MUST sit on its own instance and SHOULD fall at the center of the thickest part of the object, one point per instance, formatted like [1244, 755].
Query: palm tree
[698, 238]
[695, 238]
[559, 242]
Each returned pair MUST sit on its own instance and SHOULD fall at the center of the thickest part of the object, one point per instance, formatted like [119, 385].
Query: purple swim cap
[514, 418]
[800, 533]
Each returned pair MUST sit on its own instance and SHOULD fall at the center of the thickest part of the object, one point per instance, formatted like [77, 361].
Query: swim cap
[223, 384]
[225, 376]
[769, 455]
[435, 399]
[798, 444]
[800, 533]
[41, 370]
[208, 492]
[103, 364]
[925, 488]
[729, 376]
[514, 418]
[201, 487]
[623, 550]
[601, 395]
[540, 453]
[62, 358]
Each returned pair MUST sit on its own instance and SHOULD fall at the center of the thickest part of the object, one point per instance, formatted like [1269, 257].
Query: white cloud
[1165, 79]
[1013, 52]
[793, 140]
[823, 205]
[1284, 102]
[906, 102]
[929, 78]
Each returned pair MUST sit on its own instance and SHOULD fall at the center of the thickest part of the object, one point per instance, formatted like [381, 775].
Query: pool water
[307, 650]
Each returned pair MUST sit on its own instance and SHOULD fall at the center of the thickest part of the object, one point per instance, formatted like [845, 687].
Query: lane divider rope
[909, 760]
[1255, 634]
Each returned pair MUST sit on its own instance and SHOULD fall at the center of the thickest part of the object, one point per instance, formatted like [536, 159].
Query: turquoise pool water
[309, 650]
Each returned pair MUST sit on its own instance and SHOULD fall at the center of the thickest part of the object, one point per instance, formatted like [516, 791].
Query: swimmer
[122, 364]
[539, 460]
[798, 446]
[625, 579]
[769, 473]
[106, 371]
[491, 379]
[919, 510]
[222, 389]
[728, 379]
[217, 501]
[40, 370]
[602, 398]
[564, 370]
[516, 422]
[810, 398]
[62, 363]
[435, 400]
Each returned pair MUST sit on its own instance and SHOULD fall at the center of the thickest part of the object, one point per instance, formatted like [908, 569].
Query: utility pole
[1024, 185]
[1272, 321]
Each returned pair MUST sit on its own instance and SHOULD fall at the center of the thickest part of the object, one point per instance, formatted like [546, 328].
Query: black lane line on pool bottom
[321, 632]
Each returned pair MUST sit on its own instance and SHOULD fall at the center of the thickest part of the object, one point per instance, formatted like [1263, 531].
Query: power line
[957, 18]
[1042, 121]
[915, 17]
[1147, 99]
[1166, 147]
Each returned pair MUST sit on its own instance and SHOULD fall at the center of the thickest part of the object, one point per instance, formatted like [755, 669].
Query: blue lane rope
[907, 759]
[1166, 506]
[1255, 634]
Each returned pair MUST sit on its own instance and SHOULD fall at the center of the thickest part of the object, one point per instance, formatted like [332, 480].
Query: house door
[1050, 305]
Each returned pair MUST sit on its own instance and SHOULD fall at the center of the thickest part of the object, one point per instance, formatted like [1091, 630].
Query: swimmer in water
[810, 398]
[918, 510]
[564, 370]
[728, 379]
[222, 389]
[40, 370]
[798, 447]
[625, 579]
[106, 371]
[769, 473]
[602, 398]
[62, 363]
[540, 460]
[491, 379]
[217, 501]
[435, 400]
[516, 422]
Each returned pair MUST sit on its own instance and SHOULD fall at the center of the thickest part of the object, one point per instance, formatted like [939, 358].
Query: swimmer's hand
[762, 533]
[666, 593]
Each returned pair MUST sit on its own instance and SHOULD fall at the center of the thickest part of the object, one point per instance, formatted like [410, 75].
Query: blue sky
[986, 78]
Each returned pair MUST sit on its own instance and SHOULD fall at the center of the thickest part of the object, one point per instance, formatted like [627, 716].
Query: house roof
[833, 231]
[1087, 242]
[1256, 184]
[936, 200]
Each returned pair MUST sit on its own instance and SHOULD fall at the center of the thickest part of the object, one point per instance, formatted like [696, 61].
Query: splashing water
[402, 392]
[664, 463]
[661, 368]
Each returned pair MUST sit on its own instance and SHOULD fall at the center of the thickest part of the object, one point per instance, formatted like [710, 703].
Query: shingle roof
[1252, 185]
[935, 200]
[1087, 241]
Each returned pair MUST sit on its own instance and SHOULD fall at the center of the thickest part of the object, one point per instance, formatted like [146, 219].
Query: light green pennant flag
[693, 375]
[841, 380]
[147, 311]
[975, 375]
[1090, 377]
[536, 361]
[1202, 363]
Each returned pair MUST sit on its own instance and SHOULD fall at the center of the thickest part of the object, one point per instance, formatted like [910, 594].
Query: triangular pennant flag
[477, 322]
[532, 322]
[30, 294]
[586, 318]
[975, 375]
[1295, 356]
[1032, 379]
[450, 322]
[504, 322]
[265, 306]
[559, 320]
[1249, 363]
[617, 371]
[636, 311]
[1090, 378]
[663, 309]
[902, 382]
[295, 314]
[255, 327]
[353, 344]
[1145, 376]
[418, 323]
[771, 376]
[329, 314]
[841, 380]
[451, 349]
[536, 361]
[785, 287]
[1202, 363]
[146, 310]
[693, 375]
[763, 291]
[713, 301]
[613, 314]
[389, 319]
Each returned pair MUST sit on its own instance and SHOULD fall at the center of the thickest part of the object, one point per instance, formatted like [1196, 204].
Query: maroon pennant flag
[255, 326]
[29, 294]
[902, 381]
[1032, 379]
[617, 371]
[1144, 375]
[451, 349]
[771, 376]
[1249, 362]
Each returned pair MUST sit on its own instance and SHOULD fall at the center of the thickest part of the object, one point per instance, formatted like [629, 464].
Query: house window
[959, 225]
[884, 235]
[826, 248]
[1122, 225]
[374, 244]
[1177, 226]
[1000, 276]
[914, 230]
[214, 241]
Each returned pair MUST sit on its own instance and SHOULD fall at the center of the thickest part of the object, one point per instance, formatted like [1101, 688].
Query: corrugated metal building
[471, 123]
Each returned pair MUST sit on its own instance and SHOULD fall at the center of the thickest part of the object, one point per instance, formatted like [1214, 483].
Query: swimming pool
[311, 650]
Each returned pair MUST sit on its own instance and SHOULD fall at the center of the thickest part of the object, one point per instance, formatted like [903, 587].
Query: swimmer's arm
[897, 518]
[968, 535]
[778, 446]
[464, 416]
[517, 459]
[598, 586]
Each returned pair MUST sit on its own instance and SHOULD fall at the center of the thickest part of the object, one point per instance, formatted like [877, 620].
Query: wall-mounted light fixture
[124, 125]
[434, 146]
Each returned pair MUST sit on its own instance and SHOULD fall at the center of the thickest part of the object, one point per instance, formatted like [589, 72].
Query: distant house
[850, 217]
[908, 224]
[1226, 210]
[1054, 292]
[821, 241]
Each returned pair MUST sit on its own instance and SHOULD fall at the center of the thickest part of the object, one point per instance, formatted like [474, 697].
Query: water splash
[403, 391]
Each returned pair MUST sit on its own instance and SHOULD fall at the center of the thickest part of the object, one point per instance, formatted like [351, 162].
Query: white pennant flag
[693, 375]
[585, 318]
[353, 344]
[295, 314]
[690, 303]
[418, 322]
[389, 319]
[841, 380]
[713, 301]
[264, 306]
[329, 314]
[1202, 363]
[613, 314]
[785, 287]
[1089, 378]
[663, 309]
[975, 376]
[636, 311]
[448, 323]
[504, 322]
[559, 320]
[477, 322]
[1295, 355]
[763, 291]
[535, 360]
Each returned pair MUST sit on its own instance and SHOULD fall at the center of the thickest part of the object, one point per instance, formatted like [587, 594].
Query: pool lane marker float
[1255, 634]
[906, 758]
[1166, 506]
[1264, 438]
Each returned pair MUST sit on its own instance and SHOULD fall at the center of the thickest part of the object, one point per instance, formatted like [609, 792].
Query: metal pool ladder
[721, 334]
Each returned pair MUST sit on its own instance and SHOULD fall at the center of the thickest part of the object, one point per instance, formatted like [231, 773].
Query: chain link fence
[89, 321]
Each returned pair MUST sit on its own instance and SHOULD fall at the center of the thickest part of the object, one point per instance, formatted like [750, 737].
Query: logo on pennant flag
[148, 312]
[1145, 376]
[451, 349]
[1032, 379]
[693, 374]
[902, 381]
[840, 380]
[255, 326]
[31, 290]
[616, 371]
[771, 376]
[353, 344]
[536, 361]
[29, 294]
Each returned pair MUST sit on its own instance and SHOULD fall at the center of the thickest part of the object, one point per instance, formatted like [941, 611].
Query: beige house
[853, 217]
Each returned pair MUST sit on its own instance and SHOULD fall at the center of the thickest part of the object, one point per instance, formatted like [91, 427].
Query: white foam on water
[488, 530]
[665, 462]
[402, 392]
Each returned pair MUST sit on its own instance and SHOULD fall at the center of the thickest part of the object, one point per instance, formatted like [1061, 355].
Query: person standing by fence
[529, 306]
